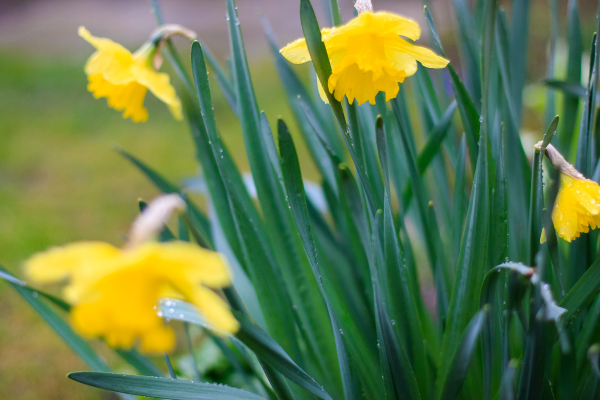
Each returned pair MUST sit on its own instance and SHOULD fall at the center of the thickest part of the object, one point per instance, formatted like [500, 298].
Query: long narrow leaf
[297, 201]
[460, 360]
[161, 387]
[466, 107]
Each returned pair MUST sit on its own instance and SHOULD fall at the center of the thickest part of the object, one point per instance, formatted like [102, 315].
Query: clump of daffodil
[577, 205]
[115, 292]
[124, 78]
[368, 55]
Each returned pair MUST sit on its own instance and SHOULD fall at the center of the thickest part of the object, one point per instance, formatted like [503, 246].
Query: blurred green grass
[61, 181]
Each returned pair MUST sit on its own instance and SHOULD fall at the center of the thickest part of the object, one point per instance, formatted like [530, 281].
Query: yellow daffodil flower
[124, 78]
[368, 56]
[577, 205]
[115, 292]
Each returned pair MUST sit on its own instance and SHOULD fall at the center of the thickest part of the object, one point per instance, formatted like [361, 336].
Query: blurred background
[60, 178]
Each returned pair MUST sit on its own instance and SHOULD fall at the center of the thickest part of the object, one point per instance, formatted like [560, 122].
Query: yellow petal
[543, 236]
[296, 52]
[158, 340]
[159, 84]
[89, 320]
[577, 207]
[380, 23]
[103, 43]
[111, 60]
[128, 97]
[175, 109]
[120, 307]
[59, 263]
[120, 339]
[322, 92]
[354, 83]
[199, 265]
[398, 59]
[422, 54]
[392, 23]
[215, 310]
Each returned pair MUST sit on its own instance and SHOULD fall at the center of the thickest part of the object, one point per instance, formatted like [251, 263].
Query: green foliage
[341, 313]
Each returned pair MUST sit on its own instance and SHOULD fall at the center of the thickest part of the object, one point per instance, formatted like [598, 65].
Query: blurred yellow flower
[115, 292]
[368, 56]
[577, 205]
[124, 78]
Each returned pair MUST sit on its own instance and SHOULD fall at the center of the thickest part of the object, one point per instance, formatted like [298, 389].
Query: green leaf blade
[161, 387]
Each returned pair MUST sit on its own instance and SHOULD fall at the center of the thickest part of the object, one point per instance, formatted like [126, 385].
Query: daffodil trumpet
[577, 205]
[115, 292]
[368, 55]
[124, 77]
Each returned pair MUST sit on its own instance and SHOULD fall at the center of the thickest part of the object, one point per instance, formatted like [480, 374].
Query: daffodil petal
[422, 54]
[543, 236]
[103, 43]
[58, 263]
[215, 310]
[398, 59]
[120, 307]
[577, 207]
[296, 52]
[322, 92]
[159, 84]
[111, 60]
[127, 97]
[158, 340]
[389, 22]
[352, 82]
[381, 23]
[89, 320]
[199, 265]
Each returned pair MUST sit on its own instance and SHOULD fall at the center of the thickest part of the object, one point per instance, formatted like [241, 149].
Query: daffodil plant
[410, 268]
